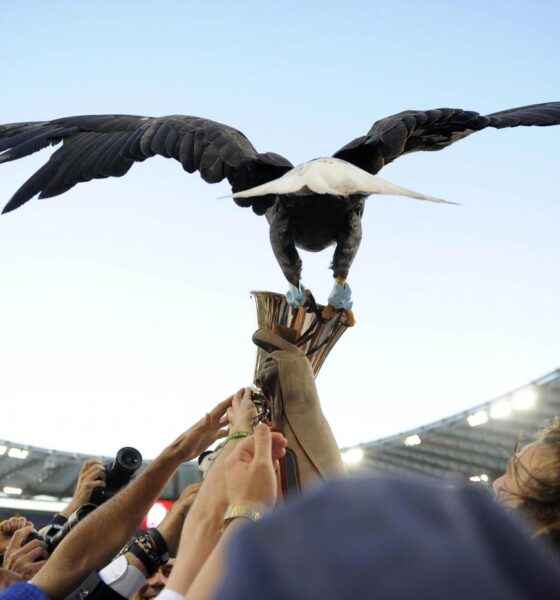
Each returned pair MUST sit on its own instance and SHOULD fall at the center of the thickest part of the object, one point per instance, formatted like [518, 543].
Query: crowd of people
[236, 535]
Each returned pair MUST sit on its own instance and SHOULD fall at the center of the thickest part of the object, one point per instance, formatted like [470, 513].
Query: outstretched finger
[221, 408]
[90, 462]
[94, 474]
[279, 444]
[263, 442]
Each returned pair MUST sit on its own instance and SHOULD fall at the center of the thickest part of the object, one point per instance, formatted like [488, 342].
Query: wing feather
[186, 155]
[413, 131]
[100, 146]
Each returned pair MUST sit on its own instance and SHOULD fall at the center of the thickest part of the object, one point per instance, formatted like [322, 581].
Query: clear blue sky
[122, 319]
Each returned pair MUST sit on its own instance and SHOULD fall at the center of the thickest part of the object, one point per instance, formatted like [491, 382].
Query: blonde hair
[540, 494]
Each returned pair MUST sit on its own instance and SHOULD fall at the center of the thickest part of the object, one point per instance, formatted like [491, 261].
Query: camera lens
[128, 459]
[117, 474]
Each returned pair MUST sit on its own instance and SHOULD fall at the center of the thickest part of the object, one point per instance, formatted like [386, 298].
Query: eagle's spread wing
[94, 147]
[414, 130]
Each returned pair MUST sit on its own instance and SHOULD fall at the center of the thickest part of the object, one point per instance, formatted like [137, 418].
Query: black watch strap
[159, 543]
[135, 548]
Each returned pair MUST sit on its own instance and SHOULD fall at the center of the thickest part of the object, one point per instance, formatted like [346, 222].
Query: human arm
[251, 483]
[170, 527]
[96, 539]
[201, 529]
[131, 582]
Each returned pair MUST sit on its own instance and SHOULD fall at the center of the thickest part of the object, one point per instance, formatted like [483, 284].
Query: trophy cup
[303, 327]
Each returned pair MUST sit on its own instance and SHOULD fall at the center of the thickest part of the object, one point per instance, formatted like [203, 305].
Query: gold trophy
[304, 327]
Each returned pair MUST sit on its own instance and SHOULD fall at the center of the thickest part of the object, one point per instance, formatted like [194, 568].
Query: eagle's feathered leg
[284, 248]
[347, 246]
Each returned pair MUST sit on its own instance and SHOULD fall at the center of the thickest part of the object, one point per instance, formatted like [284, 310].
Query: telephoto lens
[73, 520]
[117, 474]
[50, 542]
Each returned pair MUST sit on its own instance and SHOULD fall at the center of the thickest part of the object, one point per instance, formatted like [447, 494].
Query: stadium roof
[28, 472]
[474, 444]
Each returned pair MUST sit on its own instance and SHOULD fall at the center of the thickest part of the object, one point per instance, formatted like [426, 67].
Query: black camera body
[117, 474]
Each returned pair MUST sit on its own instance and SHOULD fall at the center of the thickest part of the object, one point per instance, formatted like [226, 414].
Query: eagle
[312, 206]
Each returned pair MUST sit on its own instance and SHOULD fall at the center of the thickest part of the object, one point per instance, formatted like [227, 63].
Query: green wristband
[236, 436]
[239, 434]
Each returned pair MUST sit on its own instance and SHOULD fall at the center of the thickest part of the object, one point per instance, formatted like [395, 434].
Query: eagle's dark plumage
[313, 206]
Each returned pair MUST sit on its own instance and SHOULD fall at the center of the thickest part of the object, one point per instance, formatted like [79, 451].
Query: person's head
[157, 581]
[531, 483]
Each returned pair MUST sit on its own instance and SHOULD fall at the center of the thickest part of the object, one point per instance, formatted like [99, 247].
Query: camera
[52, 535]
[117, 474]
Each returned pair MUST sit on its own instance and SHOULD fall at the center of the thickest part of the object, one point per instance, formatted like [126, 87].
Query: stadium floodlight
[3, 449]
[477, 418]
[412, 440]
[524, 399]
[18, 453]
[500, 409]
[482, 478]
[353, 456]
[14, 491]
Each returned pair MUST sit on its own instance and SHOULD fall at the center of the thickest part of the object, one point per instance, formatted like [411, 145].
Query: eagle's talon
[296, 296]
[348, 318]
[341, 295]
[328, 312]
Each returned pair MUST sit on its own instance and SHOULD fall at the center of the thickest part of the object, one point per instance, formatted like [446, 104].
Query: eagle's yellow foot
[348, 318]
[296, 296]
[328, 312]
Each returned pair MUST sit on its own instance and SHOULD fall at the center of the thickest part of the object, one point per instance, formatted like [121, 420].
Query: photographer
[96, 540]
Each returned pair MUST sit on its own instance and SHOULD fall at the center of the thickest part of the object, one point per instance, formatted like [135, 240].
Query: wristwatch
[243, 511]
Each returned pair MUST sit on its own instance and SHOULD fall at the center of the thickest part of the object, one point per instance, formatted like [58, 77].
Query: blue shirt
[24, 591]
